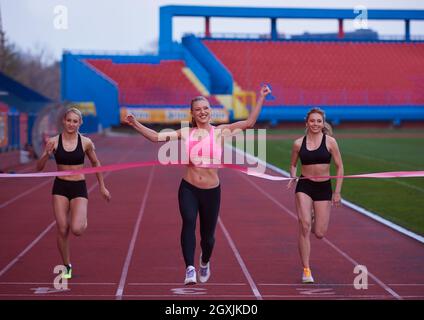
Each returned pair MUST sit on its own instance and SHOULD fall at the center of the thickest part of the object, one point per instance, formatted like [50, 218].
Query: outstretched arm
[150, 134]
[48, 151]
[253, 116]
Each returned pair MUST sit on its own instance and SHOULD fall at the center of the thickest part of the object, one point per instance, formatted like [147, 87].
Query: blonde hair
[74, 110]
[328, 130]
[195, 99]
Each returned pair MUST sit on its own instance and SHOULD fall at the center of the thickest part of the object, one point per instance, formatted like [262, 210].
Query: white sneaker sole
[203, 280]
[310, 280]
[190, 282]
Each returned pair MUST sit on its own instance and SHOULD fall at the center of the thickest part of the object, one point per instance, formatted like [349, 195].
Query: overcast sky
[133, 25]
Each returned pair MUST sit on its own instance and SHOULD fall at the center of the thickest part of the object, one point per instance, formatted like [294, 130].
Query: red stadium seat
[327, 73]
[149, 84]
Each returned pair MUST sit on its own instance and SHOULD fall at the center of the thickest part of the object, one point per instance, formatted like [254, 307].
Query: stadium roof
[304, 13]
[168, 12]
[19, 96]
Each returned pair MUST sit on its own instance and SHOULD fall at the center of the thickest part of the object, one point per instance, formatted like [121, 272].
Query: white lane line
[380, 219]
[407, 284]
[341, 252]
[51, 225]
[311, 284]
[244, 297]
[179, 284]
[371, 275]
[240, 261]
[71, 283]
[120, 290]
[23, 194]
[29, 247]
[349, 204]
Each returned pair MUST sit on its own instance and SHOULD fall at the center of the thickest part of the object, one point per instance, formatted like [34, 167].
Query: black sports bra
[318, 156]
[75, 157]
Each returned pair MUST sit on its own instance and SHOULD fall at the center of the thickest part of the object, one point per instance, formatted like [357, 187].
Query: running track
[131, 247]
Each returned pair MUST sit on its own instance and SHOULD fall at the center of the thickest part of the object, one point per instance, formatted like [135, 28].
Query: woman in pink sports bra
[200, 191]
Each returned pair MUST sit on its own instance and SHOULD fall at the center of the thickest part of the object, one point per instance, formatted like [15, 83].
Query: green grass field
[399, 200]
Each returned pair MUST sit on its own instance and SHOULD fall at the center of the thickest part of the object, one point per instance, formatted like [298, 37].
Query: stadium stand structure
[353, 76]
[19, 107]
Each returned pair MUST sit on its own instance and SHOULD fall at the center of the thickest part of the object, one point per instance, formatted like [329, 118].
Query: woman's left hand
[265, 90]
[336, 199]
[106, 194]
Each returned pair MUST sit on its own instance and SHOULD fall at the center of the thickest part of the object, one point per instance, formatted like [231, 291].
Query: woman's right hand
[49, 148]
[291, 183]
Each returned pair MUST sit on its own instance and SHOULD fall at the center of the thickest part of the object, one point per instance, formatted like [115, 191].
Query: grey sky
[133, 25]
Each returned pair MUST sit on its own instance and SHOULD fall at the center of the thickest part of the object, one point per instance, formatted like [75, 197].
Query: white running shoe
[190, 277]
[204, 271]
[307, 276]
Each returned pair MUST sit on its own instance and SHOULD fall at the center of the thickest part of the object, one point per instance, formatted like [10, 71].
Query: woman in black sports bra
[314, 196]
[70, 197]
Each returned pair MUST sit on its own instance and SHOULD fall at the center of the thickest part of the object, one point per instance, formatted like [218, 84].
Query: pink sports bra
[205, 151]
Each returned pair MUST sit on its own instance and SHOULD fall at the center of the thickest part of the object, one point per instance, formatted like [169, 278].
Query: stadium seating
[327, 73]
[149, 84]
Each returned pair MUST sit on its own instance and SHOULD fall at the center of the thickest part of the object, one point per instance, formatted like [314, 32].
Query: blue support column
[340, 34]
[165, 31]
[207, 27]
[31, 120]
[407, 30]
[274, 33]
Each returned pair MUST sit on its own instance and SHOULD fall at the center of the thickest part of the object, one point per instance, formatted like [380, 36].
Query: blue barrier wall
[339, 114]
[90, 87]
[90, 124]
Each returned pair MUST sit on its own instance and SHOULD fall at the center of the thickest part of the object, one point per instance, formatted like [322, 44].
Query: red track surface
[131, 248]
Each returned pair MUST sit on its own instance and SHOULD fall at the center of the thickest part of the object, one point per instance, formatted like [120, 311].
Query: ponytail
[328, 130]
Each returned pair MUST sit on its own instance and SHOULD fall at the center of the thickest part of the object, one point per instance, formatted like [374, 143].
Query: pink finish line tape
[246, 170]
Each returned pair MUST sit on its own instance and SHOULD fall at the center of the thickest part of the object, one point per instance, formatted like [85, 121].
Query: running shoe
[307, 276]
[190, 277]
[68, 273]
[204, 271]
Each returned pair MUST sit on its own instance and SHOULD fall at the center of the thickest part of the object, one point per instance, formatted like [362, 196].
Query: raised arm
[253, 116]
[48, 151]
[150, 134]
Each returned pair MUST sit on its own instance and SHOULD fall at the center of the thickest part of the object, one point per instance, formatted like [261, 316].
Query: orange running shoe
[307, 276]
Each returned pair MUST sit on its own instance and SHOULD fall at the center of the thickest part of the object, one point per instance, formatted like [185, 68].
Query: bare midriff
[64, 167]
[203, 178]
[316, 170]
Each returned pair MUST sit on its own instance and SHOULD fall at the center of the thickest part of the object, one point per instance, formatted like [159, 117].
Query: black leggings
[191, 200]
